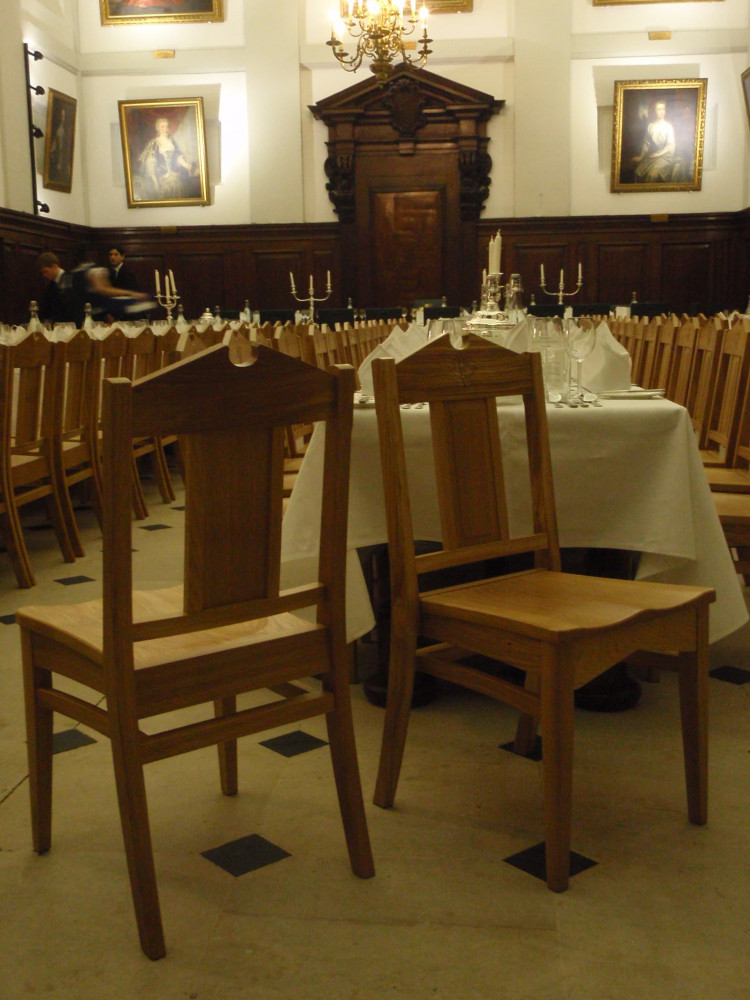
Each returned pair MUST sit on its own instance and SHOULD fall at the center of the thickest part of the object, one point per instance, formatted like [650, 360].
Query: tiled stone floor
[257, 896]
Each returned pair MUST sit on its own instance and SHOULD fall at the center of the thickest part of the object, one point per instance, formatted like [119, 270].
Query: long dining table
[627, 475]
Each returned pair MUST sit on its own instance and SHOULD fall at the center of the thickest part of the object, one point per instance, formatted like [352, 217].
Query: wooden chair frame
[221, 633]
[562, 630]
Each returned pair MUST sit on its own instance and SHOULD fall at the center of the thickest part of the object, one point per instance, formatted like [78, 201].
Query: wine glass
[581, 340]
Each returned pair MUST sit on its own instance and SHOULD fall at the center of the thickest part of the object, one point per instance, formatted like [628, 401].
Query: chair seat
[79, 627]
[557, 607]
[725, 480]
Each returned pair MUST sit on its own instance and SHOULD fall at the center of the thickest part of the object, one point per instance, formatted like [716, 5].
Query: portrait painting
[164, 150]
[59, 142]
[657, 140]
[746, 91]
[160, 11]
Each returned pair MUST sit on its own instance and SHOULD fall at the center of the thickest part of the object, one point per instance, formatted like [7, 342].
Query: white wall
[552, 61]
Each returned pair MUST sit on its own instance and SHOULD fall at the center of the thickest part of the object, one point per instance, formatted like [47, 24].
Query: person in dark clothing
[120, 276]
[91, 284]
[56, 303]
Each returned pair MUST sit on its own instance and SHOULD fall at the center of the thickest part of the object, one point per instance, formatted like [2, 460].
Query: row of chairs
[50, 403]
[703, 363]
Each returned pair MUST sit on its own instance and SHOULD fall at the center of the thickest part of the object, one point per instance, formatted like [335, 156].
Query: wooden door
[408, 246]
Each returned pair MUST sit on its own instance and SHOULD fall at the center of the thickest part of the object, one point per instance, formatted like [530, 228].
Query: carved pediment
[407, 95]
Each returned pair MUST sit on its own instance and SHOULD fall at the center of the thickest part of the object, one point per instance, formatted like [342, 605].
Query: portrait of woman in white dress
[164, 151]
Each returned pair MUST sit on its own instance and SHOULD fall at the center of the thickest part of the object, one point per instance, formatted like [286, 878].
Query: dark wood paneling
[681, 260]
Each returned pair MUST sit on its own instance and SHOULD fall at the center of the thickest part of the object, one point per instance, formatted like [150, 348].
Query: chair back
[703, 375]
[730, 390]
[231, 423]
[462, 387]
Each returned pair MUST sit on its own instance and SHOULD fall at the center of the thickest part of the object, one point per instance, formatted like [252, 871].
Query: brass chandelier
[380, 28]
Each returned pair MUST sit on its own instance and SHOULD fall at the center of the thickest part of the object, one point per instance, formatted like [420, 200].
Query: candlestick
[310, 300]
[560, 293]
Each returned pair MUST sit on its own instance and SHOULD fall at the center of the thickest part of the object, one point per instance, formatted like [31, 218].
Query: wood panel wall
[692, 262]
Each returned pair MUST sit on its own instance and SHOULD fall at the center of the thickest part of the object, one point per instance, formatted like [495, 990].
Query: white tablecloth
[627, 475]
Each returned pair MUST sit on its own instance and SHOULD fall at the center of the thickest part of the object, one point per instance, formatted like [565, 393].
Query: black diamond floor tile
[730, 674]
[68, 581]
[532, 861]
[8, 619]
[536, 750]
[239, 857]
[290, 744]
[70, 739]
[154, 527]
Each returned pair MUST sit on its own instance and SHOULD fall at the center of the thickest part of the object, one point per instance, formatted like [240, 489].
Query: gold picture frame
[164, 151]
[433, 6]
[657, 140]
[614, 3]
[161, 11]
[746, 91]
[59, 141]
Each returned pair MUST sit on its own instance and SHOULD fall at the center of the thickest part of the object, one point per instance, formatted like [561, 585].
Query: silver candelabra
[310, 298]
[560, 293]
[169, 298]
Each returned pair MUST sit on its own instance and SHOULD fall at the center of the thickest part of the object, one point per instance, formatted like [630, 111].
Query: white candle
[174, 287]
[499, 245]
[580, 273]
[158, 283]
[328, 280]
[541, 273]
[484, 277]
[312, 287]
[291, 278]
[562, 279]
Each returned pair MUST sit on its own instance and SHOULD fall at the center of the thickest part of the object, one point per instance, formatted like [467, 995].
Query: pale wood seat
[219, 634]
[730, 389]
[561, 629]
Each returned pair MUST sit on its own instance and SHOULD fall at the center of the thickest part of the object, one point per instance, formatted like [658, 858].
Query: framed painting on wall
[657, 141]
[164, 150]
[59, 141]
[746, 91]
[160, 11]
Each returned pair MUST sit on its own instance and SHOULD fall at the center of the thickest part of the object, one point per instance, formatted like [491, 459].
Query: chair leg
[397, 710]
[61, 515]
[693, 682]
[557, 711]
[227, 751]
[131, 795]
[346, 773]
[39, 748]
[528, 725]
[12, 535]
[161, 472]
[140, 510]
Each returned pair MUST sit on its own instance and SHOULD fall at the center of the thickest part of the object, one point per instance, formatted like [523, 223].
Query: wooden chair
[678, 382]
[730, 389]
[658, 377]
[142, 358]
[219, 634]
[29, 408]
[705, 366]
[561, 629]
[75, 444]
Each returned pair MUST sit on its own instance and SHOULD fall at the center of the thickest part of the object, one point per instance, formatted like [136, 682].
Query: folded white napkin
[608, 365]
[399, 344]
